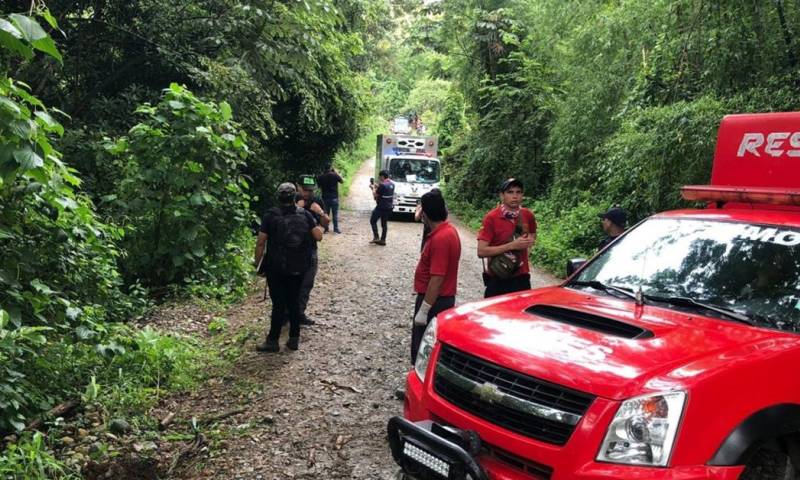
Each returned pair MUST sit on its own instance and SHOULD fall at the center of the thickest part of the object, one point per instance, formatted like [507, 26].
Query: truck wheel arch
[770, 423]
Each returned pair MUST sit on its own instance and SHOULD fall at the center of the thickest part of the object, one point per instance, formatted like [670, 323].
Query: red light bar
[716, 193]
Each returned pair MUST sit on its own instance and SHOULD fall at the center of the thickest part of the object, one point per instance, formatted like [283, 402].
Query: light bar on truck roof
[753, 195]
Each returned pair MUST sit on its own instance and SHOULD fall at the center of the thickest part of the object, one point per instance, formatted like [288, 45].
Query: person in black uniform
[316, 208]
[613, 223]
[383, 193]
[283, 255]
[329, 184]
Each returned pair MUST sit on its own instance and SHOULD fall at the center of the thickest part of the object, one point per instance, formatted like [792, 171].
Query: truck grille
[512, 400]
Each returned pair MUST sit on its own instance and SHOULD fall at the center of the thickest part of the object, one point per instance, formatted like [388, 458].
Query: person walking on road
[283, 255]
[383, 193]
[436, 276]
[506, 235]
[329, 184]
[316, 208]
[613, 223]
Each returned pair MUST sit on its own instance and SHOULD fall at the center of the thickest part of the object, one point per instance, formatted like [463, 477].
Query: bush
[182, 201]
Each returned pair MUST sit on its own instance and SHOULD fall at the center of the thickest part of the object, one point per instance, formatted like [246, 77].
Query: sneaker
[268, 346]
[293, 343]
[381, 242]
[307, 321]
[337, 231]
[376, 241]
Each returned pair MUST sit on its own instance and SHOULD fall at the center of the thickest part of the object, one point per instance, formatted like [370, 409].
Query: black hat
[433, 205]
[511, 182]
[616, 215]
[308, 182]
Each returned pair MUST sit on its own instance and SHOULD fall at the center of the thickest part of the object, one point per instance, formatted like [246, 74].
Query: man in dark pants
[315, 207]
[383, 193]
[436, 276]
[613, 223]
[329, 184]
[287, 233]
[508, 230]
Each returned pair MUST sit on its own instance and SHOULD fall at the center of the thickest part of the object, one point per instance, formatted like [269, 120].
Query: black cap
[433, 205]
[511, 182]
[616, 215]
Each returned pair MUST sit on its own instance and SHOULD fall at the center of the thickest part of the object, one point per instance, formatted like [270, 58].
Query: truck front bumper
[498, 462]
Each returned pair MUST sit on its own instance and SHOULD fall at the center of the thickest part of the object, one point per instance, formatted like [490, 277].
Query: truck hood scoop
[589, 321]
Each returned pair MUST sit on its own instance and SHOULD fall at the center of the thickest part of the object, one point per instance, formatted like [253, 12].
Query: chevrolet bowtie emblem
[488, 392]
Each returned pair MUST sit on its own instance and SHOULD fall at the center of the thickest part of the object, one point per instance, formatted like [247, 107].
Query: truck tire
[769, 464]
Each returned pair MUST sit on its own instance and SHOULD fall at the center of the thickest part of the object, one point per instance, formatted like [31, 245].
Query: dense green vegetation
[138, 145]
[594, 103]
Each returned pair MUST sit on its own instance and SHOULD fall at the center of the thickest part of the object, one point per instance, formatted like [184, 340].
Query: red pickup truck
[671, 354]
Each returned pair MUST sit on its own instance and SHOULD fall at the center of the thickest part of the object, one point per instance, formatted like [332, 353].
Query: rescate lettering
[773, 144]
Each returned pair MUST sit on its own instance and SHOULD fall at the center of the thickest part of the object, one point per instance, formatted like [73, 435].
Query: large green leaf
[48, 46]
[28, 27]
[27, 158]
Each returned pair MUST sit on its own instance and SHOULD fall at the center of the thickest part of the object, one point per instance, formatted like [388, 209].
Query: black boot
[268, 346]
[293, 343]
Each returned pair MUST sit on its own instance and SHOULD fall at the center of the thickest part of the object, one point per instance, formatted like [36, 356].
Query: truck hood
[501, 331]
[413, 188]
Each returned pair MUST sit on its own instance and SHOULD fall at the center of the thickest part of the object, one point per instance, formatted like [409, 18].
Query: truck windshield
[414, 170]
[750, 269]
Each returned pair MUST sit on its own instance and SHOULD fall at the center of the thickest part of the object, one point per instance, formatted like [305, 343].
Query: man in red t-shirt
[508, 230]
[436, 276]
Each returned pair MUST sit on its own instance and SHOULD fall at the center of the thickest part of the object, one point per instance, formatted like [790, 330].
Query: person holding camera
[436, 276]
[283, 255]
[329, 184]
[383, 193]
[505, 237]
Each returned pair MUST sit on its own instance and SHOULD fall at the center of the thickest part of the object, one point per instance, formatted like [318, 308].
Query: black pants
[284, 291]
[417, 331]
[383, 215]
[496, 286]
[307, 284]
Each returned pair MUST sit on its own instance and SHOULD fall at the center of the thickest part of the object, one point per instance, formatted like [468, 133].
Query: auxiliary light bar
[723, 194]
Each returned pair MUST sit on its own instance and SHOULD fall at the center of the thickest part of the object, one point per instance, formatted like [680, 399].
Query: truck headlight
[643, 430]
[425, 349]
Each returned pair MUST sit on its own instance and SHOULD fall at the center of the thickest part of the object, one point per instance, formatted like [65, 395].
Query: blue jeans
[332, 209]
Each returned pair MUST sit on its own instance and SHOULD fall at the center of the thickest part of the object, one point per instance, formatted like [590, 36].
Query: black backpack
[289, 249]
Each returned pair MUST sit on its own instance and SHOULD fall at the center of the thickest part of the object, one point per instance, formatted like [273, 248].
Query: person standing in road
[436, 276]
[383, 193]
[613, 223]
[426, 229]
[329, 184]
[506, 235]
[316, 208]
[283, 255]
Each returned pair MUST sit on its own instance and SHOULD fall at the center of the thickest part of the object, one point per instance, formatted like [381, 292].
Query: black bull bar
[427, 450]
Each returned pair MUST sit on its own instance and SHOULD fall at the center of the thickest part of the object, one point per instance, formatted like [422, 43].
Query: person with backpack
[383, 193]
[506, 234]
[284, 255]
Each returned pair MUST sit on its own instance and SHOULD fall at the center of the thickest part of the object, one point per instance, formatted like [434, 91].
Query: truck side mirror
[573, 264]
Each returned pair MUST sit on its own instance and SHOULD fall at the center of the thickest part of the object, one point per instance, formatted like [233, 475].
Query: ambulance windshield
[750, 269]
[418, 170]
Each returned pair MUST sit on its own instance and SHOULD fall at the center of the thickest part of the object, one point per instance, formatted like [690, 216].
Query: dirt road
[321, 412]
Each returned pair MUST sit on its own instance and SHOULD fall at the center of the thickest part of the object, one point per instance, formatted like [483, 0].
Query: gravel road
[321, 412]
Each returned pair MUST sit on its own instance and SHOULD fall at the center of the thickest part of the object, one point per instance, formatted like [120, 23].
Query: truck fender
[769, 423]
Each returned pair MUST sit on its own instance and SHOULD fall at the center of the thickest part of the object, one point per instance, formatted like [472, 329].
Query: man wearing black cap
[383, 193]
[613, 223]
[436, 276]
[507, 232]
[287, 234]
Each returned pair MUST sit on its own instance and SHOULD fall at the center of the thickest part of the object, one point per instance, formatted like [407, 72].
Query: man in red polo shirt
[507, 230]
[436, 276]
